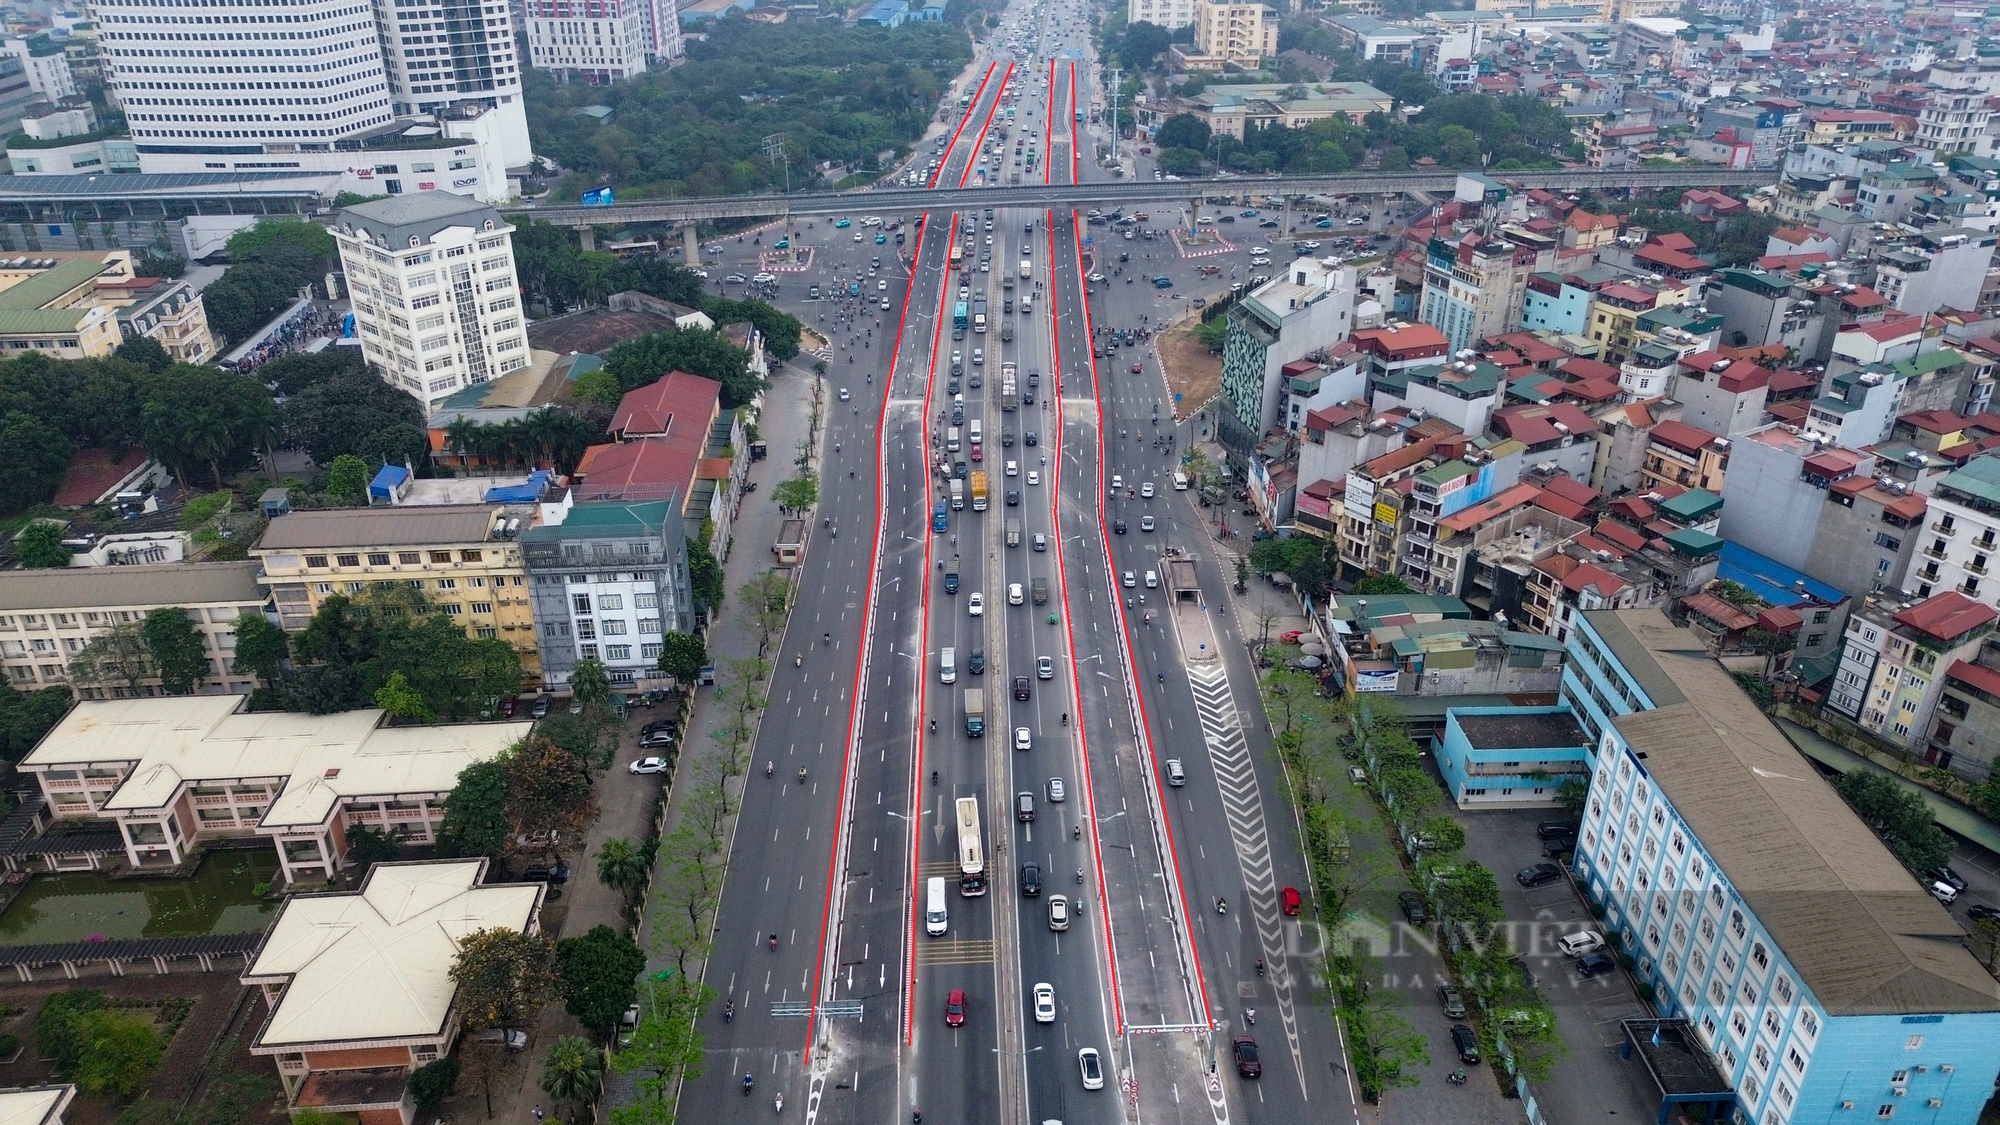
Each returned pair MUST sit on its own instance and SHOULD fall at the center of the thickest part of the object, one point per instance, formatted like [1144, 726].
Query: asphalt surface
[847, 1016]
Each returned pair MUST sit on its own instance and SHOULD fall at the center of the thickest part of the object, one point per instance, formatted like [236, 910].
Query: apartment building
[1893, 663]
[1304, 310]
[1473, 287]
[1680, 456]
[1615, 311]
[350, 1051]
[463, 557]
[48, 616]
[170, 313]
[1958, 546]
[435, 299]
[1170, 14]
[43, 62]
[1510, 757]
[174, 772]
[1943, 267]
[1717, 854]
[610, 578]
[597, 41]
[1243, 34]
[1961, 736]
[1954, 120]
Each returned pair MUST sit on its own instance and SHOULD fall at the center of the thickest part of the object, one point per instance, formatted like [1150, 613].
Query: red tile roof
[1947, 615]
[1535, 424]
[1593, 577]
[1329, 417]
[1581, 369]
[1975, 675]
[676, 401]
[1718, 611]
[1934, 421]
[1884, 331]
[1571, 489]
[1626, 537]
[1418, 340]
[1679, 435]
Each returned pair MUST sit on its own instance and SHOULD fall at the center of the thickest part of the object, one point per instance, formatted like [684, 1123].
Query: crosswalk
[956, 951]
[1243, 808]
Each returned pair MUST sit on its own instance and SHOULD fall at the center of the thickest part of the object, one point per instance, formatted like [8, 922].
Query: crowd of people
[290, 333]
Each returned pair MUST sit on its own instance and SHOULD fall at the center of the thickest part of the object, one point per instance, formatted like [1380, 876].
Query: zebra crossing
[956, 951]
[1243, 808]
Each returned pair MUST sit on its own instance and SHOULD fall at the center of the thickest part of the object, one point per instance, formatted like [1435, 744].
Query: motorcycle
[778, 1104]
[728, 1011]
[749, 1080]
[1222, 906]
[1457, 1077]
[1079, 876]
[769, 768]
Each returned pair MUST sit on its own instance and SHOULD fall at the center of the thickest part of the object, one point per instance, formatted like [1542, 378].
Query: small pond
[219, 898]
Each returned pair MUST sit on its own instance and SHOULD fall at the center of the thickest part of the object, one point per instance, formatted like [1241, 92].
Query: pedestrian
[538, 1111]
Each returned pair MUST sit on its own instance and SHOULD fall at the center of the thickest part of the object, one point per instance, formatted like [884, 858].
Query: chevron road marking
[1243, 808]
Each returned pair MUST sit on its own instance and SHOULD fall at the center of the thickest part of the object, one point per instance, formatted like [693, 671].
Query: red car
[1292, 637]
[507, 707]
[1289, 899]
[954, 1008]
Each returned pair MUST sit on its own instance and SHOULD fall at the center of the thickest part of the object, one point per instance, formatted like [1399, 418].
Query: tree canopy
[352, 648]
[647, 359]
[600, 972]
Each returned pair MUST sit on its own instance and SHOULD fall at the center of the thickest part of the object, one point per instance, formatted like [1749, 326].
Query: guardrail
[912, 200]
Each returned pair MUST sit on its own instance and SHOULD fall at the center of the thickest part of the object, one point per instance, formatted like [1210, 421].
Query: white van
[948, 666]
[934, 915]
[1152, 580]
[1180, 482]
[951, 440]
[972, 431]
[1580, 943]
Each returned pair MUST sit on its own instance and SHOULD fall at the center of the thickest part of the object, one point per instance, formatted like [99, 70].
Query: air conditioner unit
[1935, 1103]
[1946, 1068]
[1900, 1091]
[1846, 1104]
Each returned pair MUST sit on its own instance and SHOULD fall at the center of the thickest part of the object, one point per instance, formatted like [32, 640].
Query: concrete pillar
[690, 245]
[586, 237]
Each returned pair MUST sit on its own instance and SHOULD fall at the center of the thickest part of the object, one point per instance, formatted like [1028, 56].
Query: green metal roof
[50, 284]
[1692, 505]
[606, 518]
[1694, 544]
[1979, 478]
[1928, 362]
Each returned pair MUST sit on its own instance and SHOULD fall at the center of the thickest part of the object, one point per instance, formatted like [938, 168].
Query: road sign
[841, 1009]
[597, 197]
[790, 1009]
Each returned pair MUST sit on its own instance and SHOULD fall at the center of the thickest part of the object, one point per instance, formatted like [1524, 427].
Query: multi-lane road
[1087, 697]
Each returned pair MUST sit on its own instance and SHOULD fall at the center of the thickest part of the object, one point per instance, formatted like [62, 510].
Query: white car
[883, 285]
[1310, 244]
[1057, 791]
[1034, 476]
[1128, 580]
[1095, 279]
[1260, 249]
[764, 278]
[1013, 593]
[1145, 524]
[1117, 484]
[1092, 1068]
[978, 356]
[648, 765]
[844, 396]
[1013, 468]
[1146, 490]
[1045, 1003]
[976, 604]
[1024, 739]
[857, 236]
[703, 274]
[1260, 261]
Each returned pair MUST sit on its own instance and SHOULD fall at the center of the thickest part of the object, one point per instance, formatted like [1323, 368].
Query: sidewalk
[787, 412]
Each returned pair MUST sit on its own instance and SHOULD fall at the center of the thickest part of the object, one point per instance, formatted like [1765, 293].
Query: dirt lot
[207, 1072]
[1193, 373]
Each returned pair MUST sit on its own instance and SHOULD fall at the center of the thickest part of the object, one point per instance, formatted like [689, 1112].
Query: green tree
[549, 792]
[504, 977]
[599, 386]
[347, 478]
[1441, 834]
[26, 716]
[665, 1051]
[115, 658]
[1182, 130]
[475, 812]
[1572, 794]
[1900, 817]
[37, 451]
[40, 545]
[261, 647]
[1383, 584]
[431, 1083]
[1143, 44]
[343, 410]
[600, 972]
[120, 1050]
[175, 648]
[590, 683]
[59, 1027]
[573, 1072]
[1213, 333]
[367, 846]
[288, 239]
[1467, 893]
[683, 656]
[402, 701]
[796, 494]
[1179, 161]
[762, 607]
[205, 416]
[621, 865]
[1410, 791]
[645, 360]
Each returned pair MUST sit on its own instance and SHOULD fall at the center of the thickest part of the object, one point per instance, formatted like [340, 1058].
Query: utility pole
[774, 150]
[1111, 101]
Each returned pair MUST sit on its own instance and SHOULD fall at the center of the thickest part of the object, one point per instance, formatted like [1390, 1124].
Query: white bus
[971, 849]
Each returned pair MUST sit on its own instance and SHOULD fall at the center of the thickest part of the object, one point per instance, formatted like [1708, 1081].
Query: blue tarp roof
[538, 483]
[1770, 579]
[387, 481]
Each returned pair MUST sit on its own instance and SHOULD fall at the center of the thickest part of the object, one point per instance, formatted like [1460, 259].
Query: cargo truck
[958, 496]
[1041, 591]
[1013, 531]
[1026, 265]
[951, 577]
[979, 316]
[1010, 396]
[975, 713]
[1007, 333]
[979, 490]
[958, 315]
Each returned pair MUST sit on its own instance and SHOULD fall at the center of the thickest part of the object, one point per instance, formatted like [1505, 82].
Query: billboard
[1360, 496]
[1475, 487]
[597, 197]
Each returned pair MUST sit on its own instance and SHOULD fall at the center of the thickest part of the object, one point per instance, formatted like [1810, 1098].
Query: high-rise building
[456, 57]
[1169, 14]
[245, 76]
[1234, 32]
[596, 40]
[47, 69]
[435, 300]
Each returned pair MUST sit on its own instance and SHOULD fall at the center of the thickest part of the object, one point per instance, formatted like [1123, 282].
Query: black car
[1554, 829]
[1413, 908]
[1947, 876]
[1013, 498]
[671, 726]
[1591, 964]
[1031, 879]
[1118, 526]
[1244, 1050]
[1466, 1043]
[556, 874]
[1538, 875]
[976, 663]
[1021, 689]
[1558, 847]
[1031, 438]
[1980, 912]
[1450, 1000]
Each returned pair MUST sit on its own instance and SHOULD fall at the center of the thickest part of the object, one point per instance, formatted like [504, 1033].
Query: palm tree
[621, 866]
[573, 1074]
[458, 437]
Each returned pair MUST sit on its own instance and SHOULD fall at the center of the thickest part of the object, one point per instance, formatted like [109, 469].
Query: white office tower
[442, 55]
[596, 41]
[663, 24]
[432, 278]
[243, 77]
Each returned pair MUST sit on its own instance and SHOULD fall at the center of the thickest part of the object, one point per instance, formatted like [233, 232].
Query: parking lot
[1590, 1083]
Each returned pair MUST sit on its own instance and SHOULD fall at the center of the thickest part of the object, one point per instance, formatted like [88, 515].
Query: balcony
[1945, 528]
[1933, 552]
